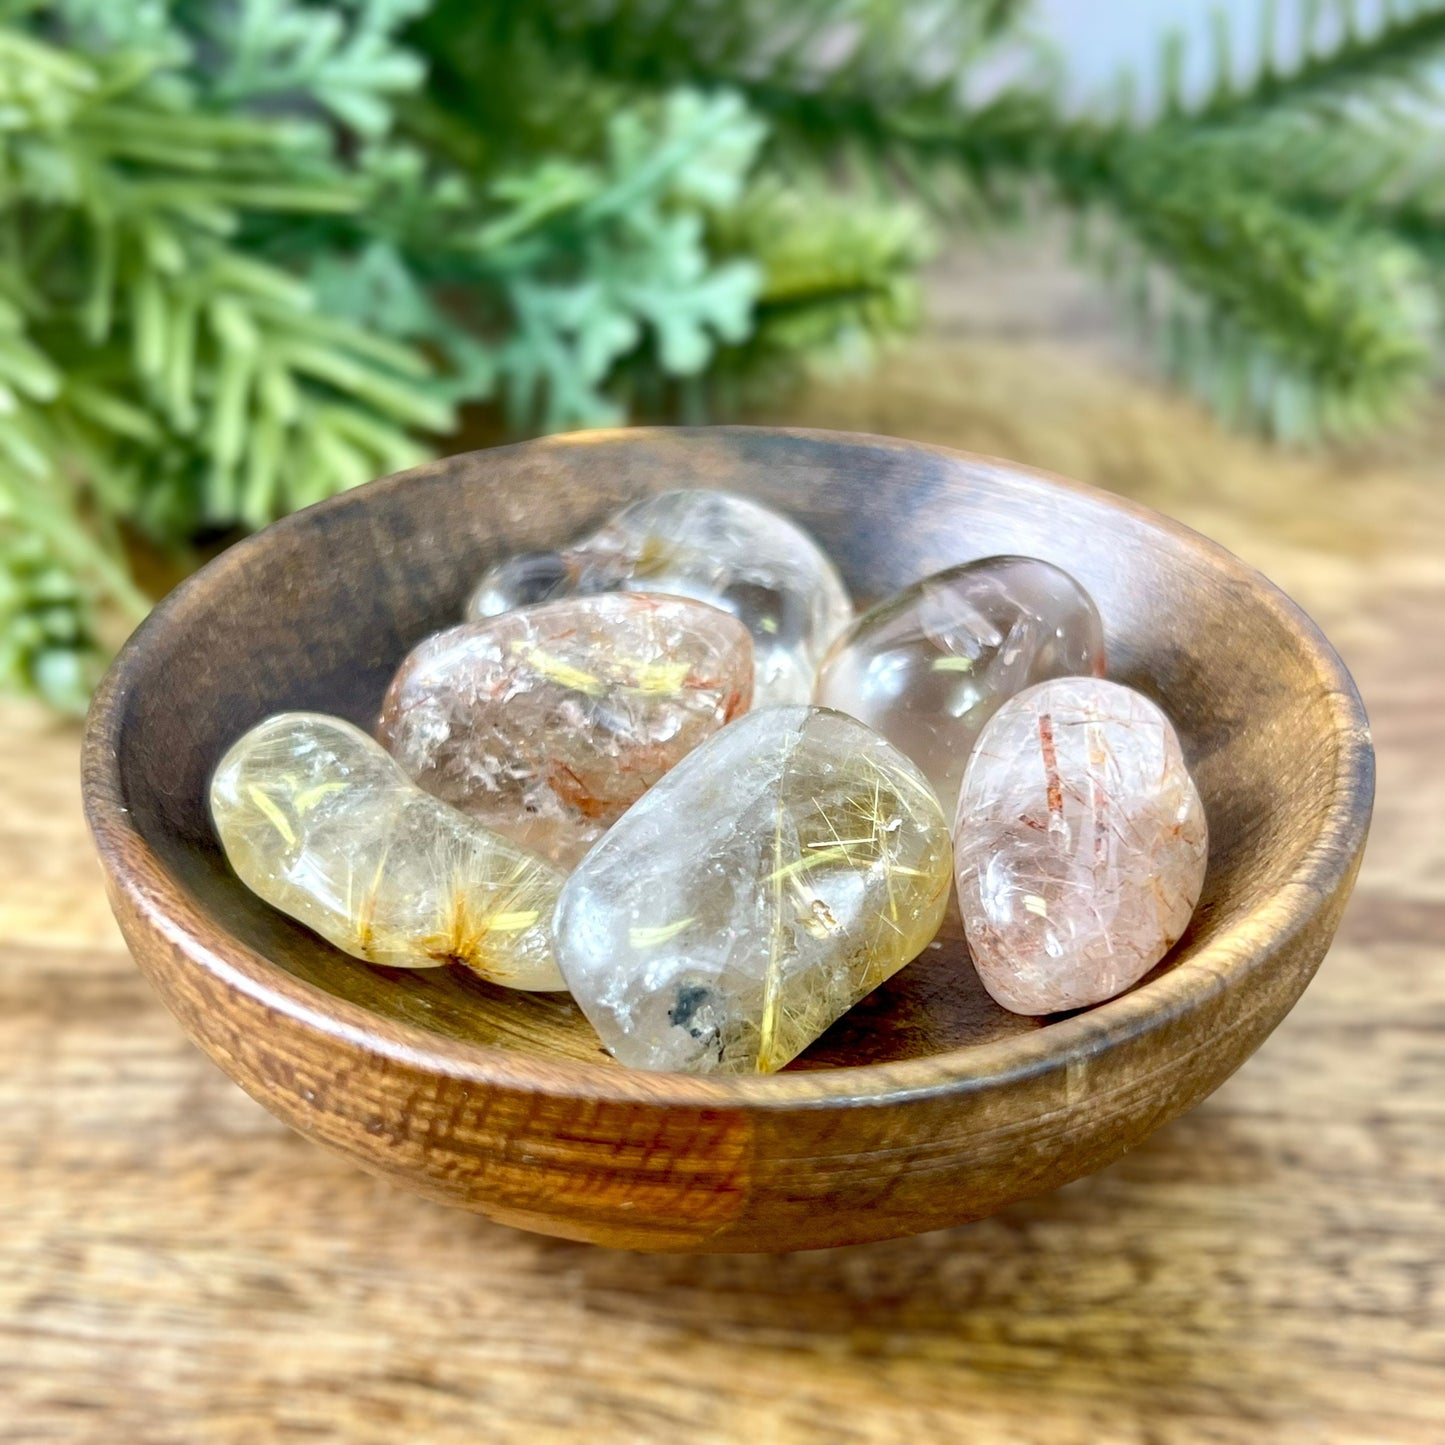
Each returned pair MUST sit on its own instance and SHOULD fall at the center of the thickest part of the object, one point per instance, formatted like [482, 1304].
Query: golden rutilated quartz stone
[771, 880]
[322, 823]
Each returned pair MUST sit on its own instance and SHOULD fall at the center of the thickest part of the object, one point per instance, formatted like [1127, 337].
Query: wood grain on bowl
[928, 1105]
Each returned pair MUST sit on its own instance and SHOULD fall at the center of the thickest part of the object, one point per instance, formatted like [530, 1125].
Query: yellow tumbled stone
[321, 822]
[772, 879]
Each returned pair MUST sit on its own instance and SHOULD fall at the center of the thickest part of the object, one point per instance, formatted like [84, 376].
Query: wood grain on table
[175, 1266]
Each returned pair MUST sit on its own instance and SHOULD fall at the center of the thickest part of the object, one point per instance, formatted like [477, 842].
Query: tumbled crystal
[525, 580]
[930, 665]
[771, 880]
[717, 547]
[549, 723]
[1080, 845]
[319, 820]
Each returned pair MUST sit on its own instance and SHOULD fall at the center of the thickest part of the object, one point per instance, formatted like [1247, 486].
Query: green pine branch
[832, 78]
[1306, 327]
[1321, 322]
[47, 644]
[839, 281]
[155, 377]
[1360, 64]
[1289, 225]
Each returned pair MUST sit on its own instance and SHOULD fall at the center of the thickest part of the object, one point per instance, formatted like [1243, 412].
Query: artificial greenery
[256, 251]
[1275, 236]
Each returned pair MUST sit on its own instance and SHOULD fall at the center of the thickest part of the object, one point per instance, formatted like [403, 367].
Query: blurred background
[255, 251]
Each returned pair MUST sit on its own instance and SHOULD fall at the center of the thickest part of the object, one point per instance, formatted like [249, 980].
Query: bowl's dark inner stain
[318, 612]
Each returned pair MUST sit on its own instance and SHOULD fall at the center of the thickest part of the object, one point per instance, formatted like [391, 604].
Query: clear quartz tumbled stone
[930, 665]
[769, 882]
[317, 819]
[714, 546]
[548, 723]
[1080, 845]
[525, 580]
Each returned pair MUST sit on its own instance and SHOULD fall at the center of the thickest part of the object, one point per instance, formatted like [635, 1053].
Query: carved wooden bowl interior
[925, 1106]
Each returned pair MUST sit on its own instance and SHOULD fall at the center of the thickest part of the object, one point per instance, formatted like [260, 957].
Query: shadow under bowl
[927, 1105]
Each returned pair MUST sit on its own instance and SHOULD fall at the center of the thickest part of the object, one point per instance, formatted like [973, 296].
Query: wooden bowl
[927, 1105]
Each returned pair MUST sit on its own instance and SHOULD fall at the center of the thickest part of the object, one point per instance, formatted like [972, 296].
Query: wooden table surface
[176, 1267]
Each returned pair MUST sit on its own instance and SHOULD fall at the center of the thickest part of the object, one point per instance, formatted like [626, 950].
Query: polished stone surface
[319, 820]
[773, 879]
[1080, 845]
[714, 546]
[928, 666]
[525, 580]
[548, 723]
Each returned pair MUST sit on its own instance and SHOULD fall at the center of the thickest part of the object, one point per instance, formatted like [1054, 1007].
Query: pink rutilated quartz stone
[928, 666]
[547, 724]
[1079, 845]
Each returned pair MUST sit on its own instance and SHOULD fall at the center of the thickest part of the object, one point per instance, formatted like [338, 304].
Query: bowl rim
[133, 869]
